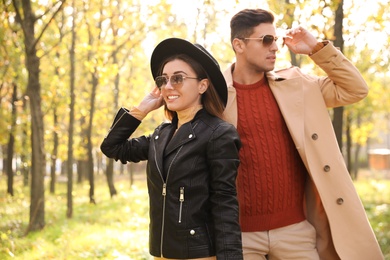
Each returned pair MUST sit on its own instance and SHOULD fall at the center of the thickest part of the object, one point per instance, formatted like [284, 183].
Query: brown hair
[210, 99]
[242, 23]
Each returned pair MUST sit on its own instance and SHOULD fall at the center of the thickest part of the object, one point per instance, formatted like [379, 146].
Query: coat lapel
[291, 105]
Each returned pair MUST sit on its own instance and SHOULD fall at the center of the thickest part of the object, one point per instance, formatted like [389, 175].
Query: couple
[248, 165]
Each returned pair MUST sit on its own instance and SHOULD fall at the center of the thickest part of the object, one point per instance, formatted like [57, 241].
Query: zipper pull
[164, 190]
[181, 197]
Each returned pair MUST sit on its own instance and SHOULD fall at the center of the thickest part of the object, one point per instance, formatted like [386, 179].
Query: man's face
[257, 53]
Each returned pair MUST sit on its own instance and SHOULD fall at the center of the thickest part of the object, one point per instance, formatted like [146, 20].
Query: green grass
[375, 195]
[117, 228]
[114, 228]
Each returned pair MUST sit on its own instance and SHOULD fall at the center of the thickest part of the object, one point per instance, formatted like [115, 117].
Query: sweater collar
[186, 115]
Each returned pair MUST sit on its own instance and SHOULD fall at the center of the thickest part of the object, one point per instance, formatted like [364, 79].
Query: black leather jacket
[191, 181]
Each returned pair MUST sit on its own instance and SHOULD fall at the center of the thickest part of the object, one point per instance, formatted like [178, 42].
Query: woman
[192, 160]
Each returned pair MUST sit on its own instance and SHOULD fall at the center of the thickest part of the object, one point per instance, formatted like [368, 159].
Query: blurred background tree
[67, 66]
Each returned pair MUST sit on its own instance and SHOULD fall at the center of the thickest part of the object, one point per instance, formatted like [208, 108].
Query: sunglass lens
[160, 81]
[176, 79]
[268, 39]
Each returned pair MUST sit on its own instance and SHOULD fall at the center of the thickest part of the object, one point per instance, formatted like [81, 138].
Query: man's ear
[204, 84]
[237, 45]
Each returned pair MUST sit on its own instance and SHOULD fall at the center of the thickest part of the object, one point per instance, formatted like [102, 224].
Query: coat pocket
[198, 241]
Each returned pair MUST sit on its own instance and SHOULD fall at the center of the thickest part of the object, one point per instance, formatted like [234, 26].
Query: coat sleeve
[223, 159]
[118, 146]
[344, 84]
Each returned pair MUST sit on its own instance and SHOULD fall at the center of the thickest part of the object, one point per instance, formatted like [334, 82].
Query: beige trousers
[297, 241]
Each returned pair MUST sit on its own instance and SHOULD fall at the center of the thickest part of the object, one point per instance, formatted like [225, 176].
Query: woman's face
[182, 95]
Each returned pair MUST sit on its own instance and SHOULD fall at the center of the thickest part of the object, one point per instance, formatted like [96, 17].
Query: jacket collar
[168, 139]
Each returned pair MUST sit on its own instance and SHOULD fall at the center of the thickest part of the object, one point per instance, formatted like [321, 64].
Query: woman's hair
[211, 102]
[242, 23]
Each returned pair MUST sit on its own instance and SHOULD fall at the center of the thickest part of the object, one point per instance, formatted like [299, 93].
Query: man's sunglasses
[176, 80]
[266, 39]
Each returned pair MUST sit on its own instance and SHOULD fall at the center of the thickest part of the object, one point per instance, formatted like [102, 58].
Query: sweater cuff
[135, 112]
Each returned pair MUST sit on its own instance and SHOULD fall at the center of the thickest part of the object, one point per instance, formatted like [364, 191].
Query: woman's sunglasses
[176, 80]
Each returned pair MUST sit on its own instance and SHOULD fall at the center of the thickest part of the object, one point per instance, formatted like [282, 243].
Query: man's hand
[299, 40]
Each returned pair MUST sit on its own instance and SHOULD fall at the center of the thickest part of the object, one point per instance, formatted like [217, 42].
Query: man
[297, 200]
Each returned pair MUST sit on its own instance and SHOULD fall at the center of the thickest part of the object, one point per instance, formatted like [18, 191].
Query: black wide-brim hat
[173, 46]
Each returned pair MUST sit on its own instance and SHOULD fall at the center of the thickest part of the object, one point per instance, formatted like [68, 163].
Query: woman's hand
[152, 101]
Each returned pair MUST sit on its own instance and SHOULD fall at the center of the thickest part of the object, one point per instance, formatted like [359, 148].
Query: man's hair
[242, 23]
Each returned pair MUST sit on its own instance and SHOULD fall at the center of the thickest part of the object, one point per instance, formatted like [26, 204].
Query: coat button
[340, 201]
[156, 137]
[326, 168]
[190, 136]
[314, 136]
[192, 232]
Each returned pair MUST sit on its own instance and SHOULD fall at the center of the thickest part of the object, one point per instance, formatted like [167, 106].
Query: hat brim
[173, 46]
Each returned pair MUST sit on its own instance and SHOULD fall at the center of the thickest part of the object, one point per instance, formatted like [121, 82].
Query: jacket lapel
[161, 139]
[165, 144]
[183, 135]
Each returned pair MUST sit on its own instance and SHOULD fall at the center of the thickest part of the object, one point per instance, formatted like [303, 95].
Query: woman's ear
[204, 84]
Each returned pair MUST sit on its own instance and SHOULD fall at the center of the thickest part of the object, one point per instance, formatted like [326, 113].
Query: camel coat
[332, 204]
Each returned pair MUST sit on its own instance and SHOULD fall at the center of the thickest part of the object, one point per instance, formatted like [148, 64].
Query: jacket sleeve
[118, 146]
[344, 84]
[223, 161]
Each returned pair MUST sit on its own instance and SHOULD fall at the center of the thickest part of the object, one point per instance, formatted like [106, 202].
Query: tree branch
[47, 24]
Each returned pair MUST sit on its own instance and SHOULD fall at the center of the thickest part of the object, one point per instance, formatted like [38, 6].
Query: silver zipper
[116, 122]
[164, 193]
[181, 199]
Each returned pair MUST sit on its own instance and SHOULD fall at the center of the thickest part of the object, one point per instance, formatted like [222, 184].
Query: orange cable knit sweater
[271, 175]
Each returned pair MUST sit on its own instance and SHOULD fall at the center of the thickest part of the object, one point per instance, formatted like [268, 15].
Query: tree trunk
[82, 169]
[110, 177]
[355, 171]
[54, 153]
[337, 121]
[3, 149]
[25, 153]
[11, 145]
[131, 171]
[27, 19]
[339, 42]
[8, 165]
[72, 76]
[349, 143]
[95, 82]
[37, 207]
[110, 165]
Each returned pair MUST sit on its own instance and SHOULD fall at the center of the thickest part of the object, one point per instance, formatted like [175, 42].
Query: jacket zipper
[181, 199]
[164, 194]
[116, 122]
